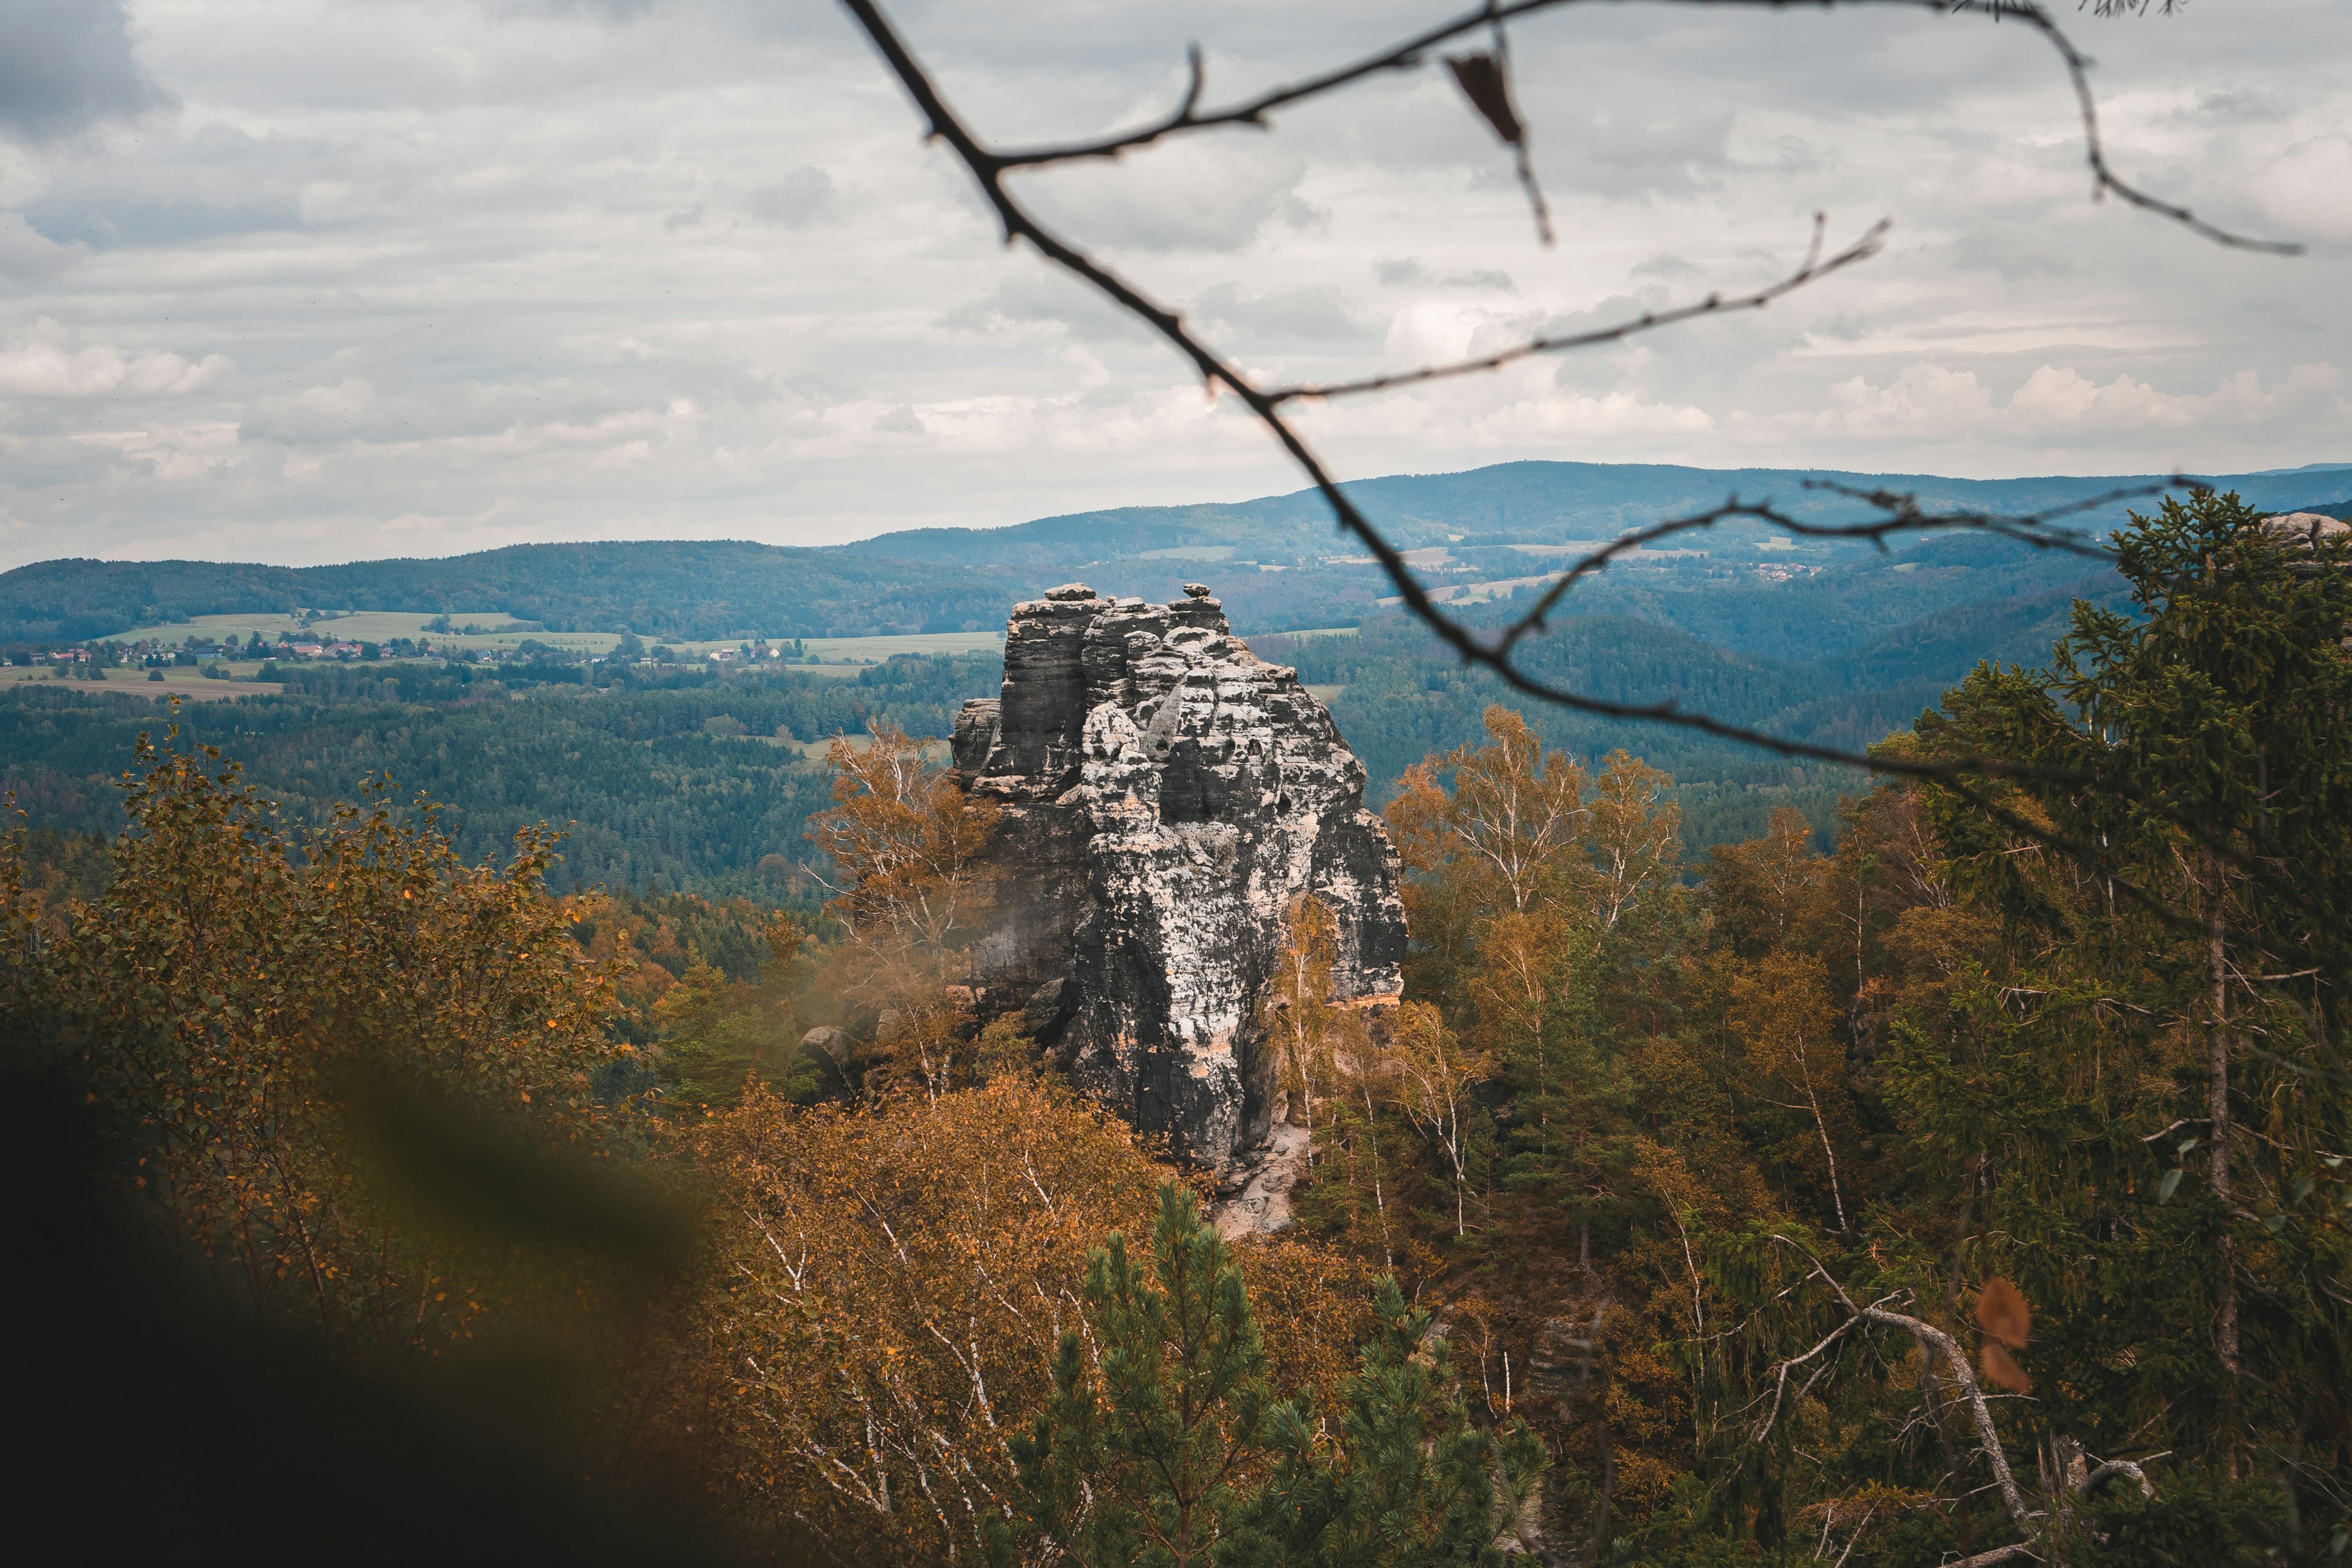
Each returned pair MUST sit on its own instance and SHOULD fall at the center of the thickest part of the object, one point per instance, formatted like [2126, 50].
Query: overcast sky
[299, 281]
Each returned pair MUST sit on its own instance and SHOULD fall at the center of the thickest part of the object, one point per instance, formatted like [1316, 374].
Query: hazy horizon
[309, 281]
[1049, 516]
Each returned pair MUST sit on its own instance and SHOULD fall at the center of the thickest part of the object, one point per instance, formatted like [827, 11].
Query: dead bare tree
[2067, 1476]
[1484, 80]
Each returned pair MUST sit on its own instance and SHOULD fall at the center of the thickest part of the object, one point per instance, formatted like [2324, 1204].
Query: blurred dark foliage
[166, 1425]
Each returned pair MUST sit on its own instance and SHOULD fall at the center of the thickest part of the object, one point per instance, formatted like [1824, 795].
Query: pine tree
[1409, 1482]
[1170, 1448]
[1138, 1460]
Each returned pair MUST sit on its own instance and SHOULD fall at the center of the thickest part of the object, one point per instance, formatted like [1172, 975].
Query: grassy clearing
[496, 630]
[179, 682]
[500, 631]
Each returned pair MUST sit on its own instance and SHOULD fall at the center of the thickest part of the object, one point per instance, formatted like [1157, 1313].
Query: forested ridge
[1826, 642]
[656, 588]
[1275, 559]
[1973, 1192]
[1839, 658]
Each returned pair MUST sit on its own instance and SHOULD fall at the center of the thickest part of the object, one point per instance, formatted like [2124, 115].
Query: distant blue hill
[1536, 502]
[1277, 561]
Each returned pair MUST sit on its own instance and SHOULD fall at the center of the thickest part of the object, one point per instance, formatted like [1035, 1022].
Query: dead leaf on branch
[2000, 1369]
[2001, 1312]
[1482, 81]
[2007, 1323]
[1485, 81]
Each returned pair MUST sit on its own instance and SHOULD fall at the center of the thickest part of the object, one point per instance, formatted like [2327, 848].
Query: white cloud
[407, 274]
[2054, 402]
[48, 369]
[2308, 189]
[172, 451]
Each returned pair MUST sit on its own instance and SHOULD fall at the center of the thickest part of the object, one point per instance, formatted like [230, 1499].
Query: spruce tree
[1408, 1481]
[2183, 904]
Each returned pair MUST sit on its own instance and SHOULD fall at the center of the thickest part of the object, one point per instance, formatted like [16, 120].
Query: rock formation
[1166, 796]
[2303, 536]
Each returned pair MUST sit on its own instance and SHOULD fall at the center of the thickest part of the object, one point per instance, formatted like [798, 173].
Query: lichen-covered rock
[1166, 796]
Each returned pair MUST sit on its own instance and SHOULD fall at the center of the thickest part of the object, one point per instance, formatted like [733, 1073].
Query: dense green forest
[659, 589]
[674, 781]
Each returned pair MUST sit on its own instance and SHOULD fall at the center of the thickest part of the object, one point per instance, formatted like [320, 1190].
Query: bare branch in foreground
[990, 167]
[1899, 513]
[1410, 53]
[1809, 270]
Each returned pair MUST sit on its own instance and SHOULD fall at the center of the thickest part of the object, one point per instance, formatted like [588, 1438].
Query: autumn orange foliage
[913, 890]
[890, 1280]
[241, 988]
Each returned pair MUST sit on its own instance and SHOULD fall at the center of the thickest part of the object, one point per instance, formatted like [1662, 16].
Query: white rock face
[1167, 795]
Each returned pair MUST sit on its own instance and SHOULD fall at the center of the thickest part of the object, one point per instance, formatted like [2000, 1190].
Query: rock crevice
[1166, 796]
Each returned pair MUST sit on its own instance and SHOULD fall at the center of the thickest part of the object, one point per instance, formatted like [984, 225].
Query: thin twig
[1811, 269]
[989, 168]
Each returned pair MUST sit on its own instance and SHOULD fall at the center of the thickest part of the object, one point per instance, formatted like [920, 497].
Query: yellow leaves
[902, 1261]
[908, 843]
[1516, 809]
[233, 971]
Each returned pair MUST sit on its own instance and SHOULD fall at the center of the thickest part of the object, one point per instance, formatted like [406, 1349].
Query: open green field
[176, 683]
[880, 648]
[841, 655]
[498, 631]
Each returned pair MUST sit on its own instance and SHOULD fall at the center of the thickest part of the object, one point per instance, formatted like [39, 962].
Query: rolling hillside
[1825, 642]
[1276, 562]
[681, 588]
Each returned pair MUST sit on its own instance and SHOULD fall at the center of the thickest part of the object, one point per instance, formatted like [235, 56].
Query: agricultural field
[178, 682]
[494, 631]
[816, 750]
[861, 651]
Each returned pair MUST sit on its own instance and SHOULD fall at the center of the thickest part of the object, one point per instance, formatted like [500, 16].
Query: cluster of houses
[156, 652]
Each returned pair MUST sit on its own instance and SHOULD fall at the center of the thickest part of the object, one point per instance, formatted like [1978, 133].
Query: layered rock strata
[1166, 796]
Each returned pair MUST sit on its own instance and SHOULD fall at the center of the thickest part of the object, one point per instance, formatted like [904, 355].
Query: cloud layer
[301, 281]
